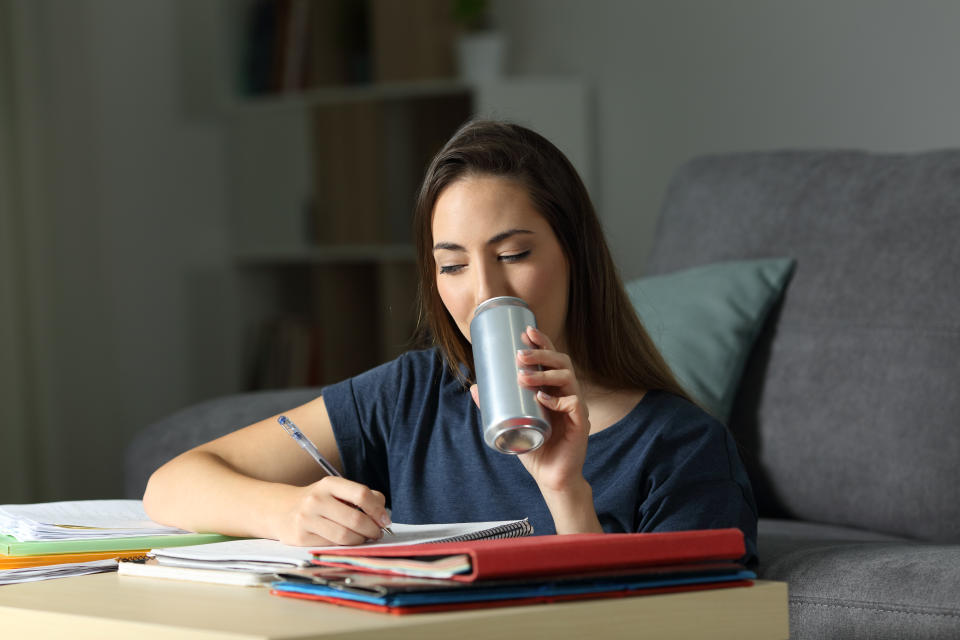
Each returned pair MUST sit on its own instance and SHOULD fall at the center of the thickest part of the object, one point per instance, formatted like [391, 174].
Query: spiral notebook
[257, 554]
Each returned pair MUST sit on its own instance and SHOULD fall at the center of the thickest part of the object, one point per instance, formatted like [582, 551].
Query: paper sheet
[243, 554]
[78, 520]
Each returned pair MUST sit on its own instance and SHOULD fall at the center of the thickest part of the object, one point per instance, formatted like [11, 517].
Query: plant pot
[480, 56]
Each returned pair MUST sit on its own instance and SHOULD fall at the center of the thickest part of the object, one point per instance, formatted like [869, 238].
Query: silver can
[513, 420]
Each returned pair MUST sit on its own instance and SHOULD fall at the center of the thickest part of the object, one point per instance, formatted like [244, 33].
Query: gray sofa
[848, 413]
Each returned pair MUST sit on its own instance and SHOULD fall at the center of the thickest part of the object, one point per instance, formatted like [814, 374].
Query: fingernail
[545, 396]
[385, 520]
[523, 353]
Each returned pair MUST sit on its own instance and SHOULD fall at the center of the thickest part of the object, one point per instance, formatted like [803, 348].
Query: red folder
[537, 556]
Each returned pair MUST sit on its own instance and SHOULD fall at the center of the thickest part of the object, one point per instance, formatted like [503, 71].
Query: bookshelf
[351, 93]
[321, 181]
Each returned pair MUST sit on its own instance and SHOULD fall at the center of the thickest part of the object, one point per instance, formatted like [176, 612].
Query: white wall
[135, 275]
[677, 78]
[15, 410]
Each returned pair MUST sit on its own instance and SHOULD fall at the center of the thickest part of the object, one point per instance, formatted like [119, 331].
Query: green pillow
[704, 320]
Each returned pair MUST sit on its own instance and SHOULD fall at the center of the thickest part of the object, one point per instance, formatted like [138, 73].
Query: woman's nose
[489, 284]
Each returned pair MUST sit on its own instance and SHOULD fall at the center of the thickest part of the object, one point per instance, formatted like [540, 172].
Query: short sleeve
[699, 483]
[361, 410]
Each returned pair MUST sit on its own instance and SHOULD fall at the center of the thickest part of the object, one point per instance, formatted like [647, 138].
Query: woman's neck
[608, 406]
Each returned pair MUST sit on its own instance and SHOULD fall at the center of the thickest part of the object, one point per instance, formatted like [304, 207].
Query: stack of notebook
[58, 539]
[255, 562]
[492, 573]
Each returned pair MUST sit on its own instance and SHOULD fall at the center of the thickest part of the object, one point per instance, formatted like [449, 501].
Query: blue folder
[471, 593]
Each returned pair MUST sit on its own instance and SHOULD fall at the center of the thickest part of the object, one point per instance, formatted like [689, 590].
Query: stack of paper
[56, 539]
[31, 574]
[79, 520]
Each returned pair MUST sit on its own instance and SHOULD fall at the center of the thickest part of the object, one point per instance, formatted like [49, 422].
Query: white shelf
[269, 148]
[342, 254]
[351, 93]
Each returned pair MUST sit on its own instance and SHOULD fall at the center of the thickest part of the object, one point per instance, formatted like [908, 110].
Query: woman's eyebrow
[506, 234]
[449, 246]
[500, 237]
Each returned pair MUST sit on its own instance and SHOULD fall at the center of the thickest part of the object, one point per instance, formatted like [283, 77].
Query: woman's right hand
[323, 514]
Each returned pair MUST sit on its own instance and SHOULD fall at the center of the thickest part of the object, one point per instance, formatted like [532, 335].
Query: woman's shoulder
[418, 358]
[426, 362]
[411, 379]
[667, 415]
[670, 432]
[415, 367]
[666, 401]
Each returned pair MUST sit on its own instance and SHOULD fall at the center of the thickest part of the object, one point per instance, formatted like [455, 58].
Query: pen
[311, 448]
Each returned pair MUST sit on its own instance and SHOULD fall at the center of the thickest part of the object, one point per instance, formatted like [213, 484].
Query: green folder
[10, 546]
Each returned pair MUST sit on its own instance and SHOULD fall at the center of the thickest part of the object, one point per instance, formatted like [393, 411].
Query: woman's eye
[513, 257]
[453, 268]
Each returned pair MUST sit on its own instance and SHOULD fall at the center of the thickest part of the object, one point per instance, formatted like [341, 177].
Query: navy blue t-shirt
[408, 428]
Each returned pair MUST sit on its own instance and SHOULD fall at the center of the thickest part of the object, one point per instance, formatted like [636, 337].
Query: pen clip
[289, 427]
[306, 445]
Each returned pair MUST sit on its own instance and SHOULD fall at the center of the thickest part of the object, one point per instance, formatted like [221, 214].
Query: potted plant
[480, 47]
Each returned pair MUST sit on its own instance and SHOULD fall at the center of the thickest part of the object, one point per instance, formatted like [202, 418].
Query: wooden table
[108, 605]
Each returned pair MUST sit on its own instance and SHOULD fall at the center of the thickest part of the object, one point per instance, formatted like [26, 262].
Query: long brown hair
[605, 338]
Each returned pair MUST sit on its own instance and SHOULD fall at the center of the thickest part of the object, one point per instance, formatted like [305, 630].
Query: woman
[501, 212]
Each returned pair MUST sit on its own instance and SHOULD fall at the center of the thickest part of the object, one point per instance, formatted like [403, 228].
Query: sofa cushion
[848, 409]
[847, 583]
[786, 536]
[194, 425]
[704, 321]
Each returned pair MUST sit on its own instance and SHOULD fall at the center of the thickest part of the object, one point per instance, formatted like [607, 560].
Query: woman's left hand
[557, 466]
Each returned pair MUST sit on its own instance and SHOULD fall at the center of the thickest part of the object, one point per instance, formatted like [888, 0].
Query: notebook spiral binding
[512, 530]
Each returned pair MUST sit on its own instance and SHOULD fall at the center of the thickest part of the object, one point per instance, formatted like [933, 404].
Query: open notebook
[269, 555]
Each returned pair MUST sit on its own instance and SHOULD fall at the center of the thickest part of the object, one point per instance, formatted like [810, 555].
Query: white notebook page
[244, 553]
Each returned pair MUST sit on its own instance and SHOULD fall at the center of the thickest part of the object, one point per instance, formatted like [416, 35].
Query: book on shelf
[292, 45]
[348, 151]
[369, 157]
[412, 40]
[286, 353]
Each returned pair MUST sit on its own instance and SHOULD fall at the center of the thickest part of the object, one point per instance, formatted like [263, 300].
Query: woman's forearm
[573, 510]
[198, 491]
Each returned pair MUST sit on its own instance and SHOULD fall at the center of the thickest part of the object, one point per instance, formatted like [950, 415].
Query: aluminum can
[513, 420]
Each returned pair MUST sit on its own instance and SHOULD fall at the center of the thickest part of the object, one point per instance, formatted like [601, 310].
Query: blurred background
[202, 197]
